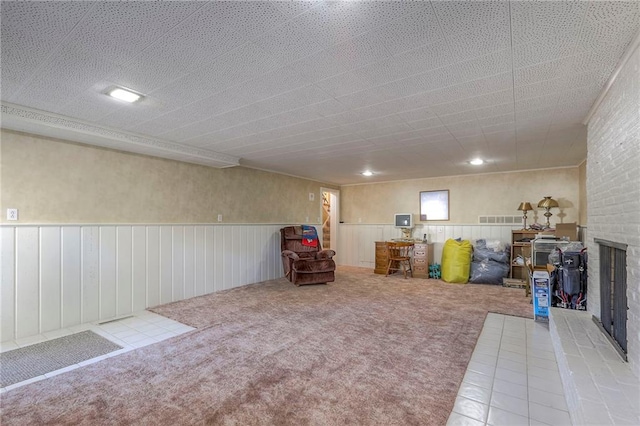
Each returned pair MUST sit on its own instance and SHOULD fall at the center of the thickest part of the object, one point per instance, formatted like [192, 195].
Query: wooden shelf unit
[520, 248]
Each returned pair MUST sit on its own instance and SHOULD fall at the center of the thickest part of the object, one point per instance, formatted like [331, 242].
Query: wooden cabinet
[382, 257]
[422, 258]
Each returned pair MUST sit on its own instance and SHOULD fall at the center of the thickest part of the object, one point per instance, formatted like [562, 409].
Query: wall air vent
[500, 220]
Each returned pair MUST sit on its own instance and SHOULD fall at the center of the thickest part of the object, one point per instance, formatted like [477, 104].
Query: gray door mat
[35, 360]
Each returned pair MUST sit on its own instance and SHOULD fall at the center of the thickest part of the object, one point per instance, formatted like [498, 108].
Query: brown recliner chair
[303, 264]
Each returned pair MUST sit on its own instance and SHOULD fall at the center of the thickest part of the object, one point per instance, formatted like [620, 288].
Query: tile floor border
[141, 329]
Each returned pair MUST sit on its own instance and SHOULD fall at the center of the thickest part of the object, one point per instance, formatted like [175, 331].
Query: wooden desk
[422, 258]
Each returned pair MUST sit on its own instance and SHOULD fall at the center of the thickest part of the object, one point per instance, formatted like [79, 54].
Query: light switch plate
[12, 214]
[219, 218]
[312, 196]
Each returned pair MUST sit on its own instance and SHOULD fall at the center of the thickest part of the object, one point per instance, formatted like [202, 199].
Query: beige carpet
[367, 349]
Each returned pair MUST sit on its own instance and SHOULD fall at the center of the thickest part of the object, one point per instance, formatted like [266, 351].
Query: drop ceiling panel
[336, 84]
[33, 32]
[411, 31]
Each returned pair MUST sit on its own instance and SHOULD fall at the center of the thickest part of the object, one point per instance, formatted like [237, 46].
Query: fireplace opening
[613, 292]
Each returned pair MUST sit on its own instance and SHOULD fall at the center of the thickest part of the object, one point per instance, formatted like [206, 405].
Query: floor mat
[41, 358]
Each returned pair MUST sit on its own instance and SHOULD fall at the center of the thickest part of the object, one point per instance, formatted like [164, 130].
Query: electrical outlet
[12, 214]
[306, 219]
[219, 218]
[359, 220]
[312, 196]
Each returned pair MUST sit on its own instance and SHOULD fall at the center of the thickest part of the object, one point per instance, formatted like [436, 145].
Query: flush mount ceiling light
[476, 161]
[367, 173]
[124, 94]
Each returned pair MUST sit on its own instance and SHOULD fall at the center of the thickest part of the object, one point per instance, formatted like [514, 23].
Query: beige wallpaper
[469, 196]
[52, 181]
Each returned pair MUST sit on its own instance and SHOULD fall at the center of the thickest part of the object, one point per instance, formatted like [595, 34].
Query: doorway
[330, 210]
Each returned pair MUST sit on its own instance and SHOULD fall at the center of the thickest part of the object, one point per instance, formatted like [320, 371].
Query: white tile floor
[141, 329]
[512, 378]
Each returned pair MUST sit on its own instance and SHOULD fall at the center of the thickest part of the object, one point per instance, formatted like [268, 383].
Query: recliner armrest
[325, 254]
[290, 254]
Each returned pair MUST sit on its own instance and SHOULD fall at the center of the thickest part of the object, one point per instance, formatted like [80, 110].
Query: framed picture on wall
[434, 205]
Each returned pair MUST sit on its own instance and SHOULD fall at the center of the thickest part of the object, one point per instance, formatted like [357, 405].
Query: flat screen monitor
[403, 220]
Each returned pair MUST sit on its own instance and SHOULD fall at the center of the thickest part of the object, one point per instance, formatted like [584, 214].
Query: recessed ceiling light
[367, 173]
[124, 94]
[476, 161]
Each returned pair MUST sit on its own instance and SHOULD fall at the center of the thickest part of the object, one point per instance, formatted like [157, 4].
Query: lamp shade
[525, 206]
[547, 203]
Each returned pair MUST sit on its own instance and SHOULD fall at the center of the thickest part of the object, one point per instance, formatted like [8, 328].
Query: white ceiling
[318, 89]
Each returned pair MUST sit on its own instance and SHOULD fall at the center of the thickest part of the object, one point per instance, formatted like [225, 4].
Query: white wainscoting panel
[59, 276]
[356, 242]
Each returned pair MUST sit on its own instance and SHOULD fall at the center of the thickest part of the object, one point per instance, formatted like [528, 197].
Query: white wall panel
[189, 260]
[108, 272]
[7, 287]
[138, 268]
[218, 258]
[153, 265]
[90, 290]
[124, 268]
[166, 264]
[50, 279]
[199, 266]
[60, 276]
[209, 275]
[27, 282]
[71, 276]
[177, 260]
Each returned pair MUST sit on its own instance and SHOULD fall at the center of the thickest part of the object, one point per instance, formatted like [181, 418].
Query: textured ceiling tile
[411, 31]
[458, 16]
[543, 102]
[503, 138]
[417, 114]
[339, 21]
[546, 20]
[458, 117]
[496, 120]
[609, 24]
[398, 128]
[473, 135]
[541, 51]
[344, 84]
[288, 43]
[541, 72]
[493, 99]
[497, 128]
[241, 64]
[196, 42]
[431, 132]
[30, 33]
[495, 110]
[482, 40]
[540, 88]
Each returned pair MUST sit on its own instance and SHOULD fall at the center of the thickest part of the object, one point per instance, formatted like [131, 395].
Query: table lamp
[525, 206]
[547, 204]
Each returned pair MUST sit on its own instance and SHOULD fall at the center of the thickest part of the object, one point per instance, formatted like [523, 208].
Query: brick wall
[613, 190]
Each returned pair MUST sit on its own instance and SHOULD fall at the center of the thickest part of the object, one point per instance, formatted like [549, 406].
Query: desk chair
[399, 257]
